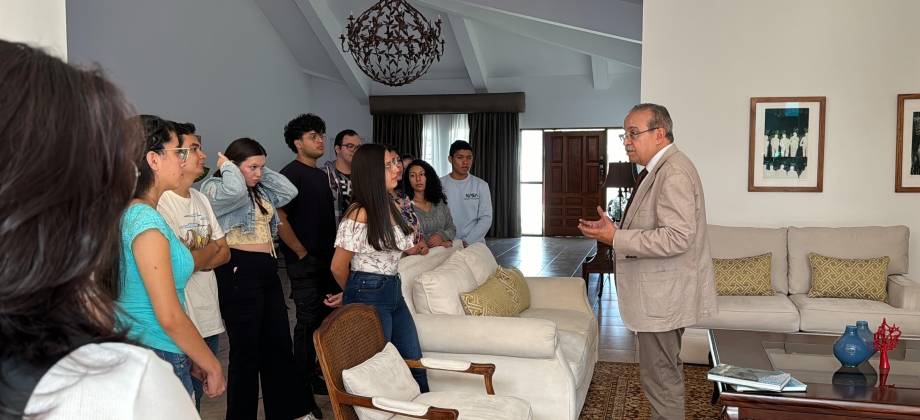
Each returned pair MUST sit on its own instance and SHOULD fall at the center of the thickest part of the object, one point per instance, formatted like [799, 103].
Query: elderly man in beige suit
[664, 274]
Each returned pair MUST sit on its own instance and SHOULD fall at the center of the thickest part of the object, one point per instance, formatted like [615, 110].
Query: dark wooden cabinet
[602, 263]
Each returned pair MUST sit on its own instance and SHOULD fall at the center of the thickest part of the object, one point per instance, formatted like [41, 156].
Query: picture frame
[907, 162]
[787, 144]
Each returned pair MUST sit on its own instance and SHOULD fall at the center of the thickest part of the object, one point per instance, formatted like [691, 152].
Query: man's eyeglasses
[181, 152]
[632, 136]
[350, 147]
[316, 137]
[393, 164]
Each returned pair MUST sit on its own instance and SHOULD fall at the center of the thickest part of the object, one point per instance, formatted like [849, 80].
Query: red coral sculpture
[886, 338]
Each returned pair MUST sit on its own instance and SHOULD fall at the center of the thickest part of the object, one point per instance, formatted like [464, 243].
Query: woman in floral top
[404, 204]
[370, 240]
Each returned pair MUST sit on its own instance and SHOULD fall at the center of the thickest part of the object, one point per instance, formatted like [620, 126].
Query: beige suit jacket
[664, 274]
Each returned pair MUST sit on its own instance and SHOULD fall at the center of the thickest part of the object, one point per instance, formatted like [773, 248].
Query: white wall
[216, 63]
[334, 103]
[35, 22]
[705, 59]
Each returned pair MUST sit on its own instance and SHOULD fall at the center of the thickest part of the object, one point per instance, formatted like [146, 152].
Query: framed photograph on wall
[907, 166]
[787, 144]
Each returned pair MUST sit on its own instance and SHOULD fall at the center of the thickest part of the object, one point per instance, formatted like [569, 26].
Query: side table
[602, 263]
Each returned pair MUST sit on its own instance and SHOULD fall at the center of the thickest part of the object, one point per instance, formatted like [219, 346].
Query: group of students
[106, 245]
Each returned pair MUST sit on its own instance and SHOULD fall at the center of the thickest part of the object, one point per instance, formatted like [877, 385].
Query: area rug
[616, 393]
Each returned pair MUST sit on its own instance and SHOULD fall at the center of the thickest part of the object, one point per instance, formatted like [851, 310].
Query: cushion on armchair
[851, 279]
[748, 276]
[383, 375]
[438, 291]
[490, 299]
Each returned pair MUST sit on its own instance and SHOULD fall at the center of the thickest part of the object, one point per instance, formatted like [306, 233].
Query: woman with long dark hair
[423, 187]
[244, 195]
[369, 243]
[68, 175]
[404, 204]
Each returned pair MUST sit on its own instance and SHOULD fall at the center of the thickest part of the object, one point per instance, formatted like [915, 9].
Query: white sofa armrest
[398, 406]
[903, 293]
[461, 334]
[559, 293]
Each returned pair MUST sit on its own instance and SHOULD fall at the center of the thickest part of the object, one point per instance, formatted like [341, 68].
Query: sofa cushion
[746, 276]
[565, 319]
[574, 348]
[490, 299]
[513, 280]
[438, 291]
[754, 313]
[412, 266]
[850, 279]
[735, 242]
[832, 315]
[852, 243]
[476, 406]
[481, 261]
[383, 375]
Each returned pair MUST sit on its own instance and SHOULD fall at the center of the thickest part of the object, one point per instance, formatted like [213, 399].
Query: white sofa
[546, 356]
[791, 310]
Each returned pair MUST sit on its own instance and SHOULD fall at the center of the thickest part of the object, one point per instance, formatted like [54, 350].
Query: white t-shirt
[111, 381]
[189, 218]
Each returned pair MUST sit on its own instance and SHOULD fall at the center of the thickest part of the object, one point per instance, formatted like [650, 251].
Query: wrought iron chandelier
[392, 42]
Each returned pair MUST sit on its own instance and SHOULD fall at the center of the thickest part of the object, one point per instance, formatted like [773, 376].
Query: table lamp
[619, 175]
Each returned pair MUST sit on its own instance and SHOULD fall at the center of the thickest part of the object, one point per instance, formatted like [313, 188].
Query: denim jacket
[230, 200]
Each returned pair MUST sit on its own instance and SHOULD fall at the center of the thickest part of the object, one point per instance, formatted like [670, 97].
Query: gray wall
[217, 63]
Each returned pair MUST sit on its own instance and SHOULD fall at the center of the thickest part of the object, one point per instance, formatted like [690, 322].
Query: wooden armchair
[350, 336]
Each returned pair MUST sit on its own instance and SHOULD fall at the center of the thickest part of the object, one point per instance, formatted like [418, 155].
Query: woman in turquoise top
[156, 265]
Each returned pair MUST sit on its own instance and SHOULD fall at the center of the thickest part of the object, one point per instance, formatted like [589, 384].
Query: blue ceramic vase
[863, 331]
[849, 349]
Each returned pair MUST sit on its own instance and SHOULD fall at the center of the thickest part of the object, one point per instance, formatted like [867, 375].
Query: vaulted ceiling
[484, 39]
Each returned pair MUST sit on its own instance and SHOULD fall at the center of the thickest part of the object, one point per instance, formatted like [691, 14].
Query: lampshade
[619, 175]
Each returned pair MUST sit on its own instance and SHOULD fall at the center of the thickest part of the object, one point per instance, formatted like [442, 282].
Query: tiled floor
[535, 256]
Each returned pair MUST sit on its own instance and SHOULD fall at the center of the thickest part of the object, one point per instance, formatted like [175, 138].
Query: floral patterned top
[404, 203]
[352, 236]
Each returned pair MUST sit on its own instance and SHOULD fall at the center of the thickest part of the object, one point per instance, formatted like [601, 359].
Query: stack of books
[747, 379]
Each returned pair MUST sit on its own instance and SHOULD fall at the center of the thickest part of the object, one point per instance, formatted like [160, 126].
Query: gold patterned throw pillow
[513, 280]
[851, 279]
[489, 299]
[748, 276]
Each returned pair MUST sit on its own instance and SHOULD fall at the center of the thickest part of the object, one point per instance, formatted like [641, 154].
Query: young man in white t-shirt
[468, 197]
[189, 214]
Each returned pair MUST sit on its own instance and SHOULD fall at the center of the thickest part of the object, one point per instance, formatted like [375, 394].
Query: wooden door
[572, 179]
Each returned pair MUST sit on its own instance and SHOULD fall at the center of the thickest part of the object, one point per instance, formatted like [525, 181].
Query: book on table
[767, 380]
[794, 385]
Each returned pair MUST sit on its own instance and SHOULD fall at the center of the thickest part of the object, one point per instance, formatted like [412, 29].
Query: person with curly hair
[430, 203]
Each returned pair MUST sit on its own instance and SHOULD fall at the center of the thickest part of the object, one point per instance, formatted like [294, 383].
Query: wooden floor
[536, 257]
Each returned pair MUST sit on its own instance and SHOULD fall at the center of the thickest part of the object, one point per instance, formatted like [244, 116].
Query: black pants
[252, 305]
[311, 281]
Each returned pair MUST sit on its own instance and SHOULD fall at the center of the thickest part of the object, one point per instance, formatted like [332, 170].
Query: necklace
[424, 205]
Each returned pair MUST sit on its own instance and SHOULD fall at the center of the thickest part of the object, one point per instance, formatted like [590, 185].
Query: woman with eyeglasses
[245, 196]
[404, 203]
[156, 265]
[368, 245]
[60, 357]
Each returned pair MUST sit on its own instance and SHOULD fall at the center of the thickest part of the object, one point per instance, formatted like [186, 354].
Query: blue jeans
[385, 294]
[181, 365]
[212, 342]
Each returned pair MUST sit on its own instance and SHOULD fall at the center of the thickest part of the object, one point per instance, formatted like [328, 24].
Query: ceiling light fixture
[392, 42]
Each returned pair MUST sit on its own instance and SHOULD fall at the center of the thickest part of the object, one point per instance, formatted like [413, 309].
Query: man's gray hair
[660, 118]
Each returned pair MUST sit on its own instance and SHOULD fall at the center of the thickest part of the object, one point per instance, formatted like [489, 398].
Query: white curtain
[438, 132]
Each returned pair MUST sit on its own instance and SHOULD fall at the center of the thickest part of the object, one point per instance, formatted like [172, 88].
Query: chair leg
[600, 283]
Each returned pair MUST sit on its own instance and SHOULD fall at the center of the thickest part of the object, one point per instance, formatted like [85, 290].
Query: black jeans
[252, 305]
[311, 281]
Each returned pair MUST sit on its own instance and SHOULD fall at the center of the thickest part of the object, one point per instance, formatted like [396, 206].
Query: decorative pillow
[748, 276]
[480, 260]
[384, 375]
[513, 280]
[438, 291]
[851, 279]
[490, 299]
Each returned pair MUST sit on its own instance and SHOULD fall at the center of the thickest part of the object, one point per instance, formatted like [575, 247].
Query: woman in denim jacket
[244, 195]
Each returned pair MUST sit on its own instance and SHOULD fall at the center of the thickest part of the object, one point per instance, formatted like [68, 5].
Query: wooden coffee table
[833, 392]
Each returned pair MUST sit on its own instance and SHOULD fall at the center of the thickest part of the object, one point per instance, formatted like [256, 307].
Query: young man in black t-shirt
[307, 231]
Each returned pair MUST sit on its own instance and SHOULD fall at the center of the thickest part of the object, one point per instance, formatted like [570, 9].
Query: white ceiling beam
[327, 28]
[469, 49]
[624, 50]
[599, 73]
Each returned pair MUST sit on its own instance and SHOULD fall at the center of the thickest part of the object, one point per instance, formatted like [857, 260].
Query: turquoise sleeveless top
[137, 314]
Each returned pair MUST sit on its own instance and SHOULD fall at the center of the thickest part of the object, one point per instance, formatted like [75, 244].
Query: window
[438, 132]
[532, 182]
